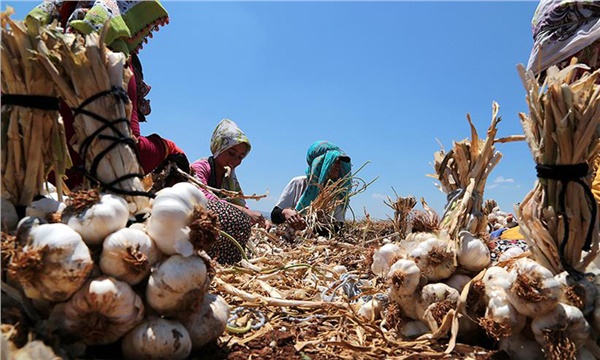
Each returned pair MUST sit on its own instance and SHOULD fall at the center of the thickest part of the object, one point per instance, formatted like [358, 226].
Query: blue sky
[386, 81]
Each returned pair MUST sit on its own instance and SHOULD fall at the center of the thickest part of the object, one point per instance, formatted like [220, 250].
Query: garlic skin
[382, 258]
[533, 291]
[458, 281]
[171, 212]
[43, 207]
[157, 338]
[110, 214]
[521, 348]
[403, 277]
[413, 329]
[179, 283]
[371, 310]
[127, 255]
[568, 326]
[53, 265]
[435, 259]
[472, 253]
[9, 217]
[408, 303]
[103, 310]
[209, 322]
[510, 253]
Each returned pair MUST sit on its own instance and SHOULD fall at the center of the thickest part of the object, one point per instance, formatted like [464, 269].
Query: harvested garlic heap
[517, 305]
[99, 281]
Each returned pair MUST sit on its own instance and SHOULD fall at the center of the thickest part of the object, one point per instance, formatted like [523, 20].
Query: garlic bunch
[103, 310]
[533, 290]
[403, 277]
[95, 215]
[435, 258]
[472, 253]
[173, 210]
[157, 338]
[128, 255]
[383, 257]
[209, 322]
[54, 263]
[178, 284]
[561, 332]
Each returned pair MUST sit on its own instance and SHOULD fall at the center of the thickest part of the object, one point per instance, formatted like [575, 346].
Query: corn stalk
[561, 128]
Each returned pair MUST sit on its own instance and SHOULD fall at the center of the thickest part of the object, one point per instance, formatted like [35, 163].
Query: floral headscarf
[227, 134]
[321, 157]
[562, 28]
[130, 22]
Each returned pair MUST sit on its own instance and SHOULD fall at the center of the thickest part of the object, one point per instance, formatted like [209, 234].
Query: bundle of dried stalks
[558, 216]
[92, 81]
[462, 173]
[402, 206]
[33, 135]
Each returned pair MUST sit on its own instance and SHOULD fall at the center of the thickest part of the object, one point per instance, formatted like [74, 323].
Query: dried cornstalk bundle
[92, 81]
[462, 173]
[35, 136]
[402, 207]
[558, 216]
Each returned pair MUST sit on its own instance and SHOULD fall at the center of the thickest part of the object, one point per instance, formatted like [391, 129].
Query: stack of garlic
[522, 306]
[101, 281]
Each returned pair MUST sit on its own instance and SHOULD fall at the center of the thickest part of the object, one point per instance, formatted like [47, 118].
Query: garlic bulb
[408, 303]
[413, 329]
[9, 217]
[404, 277]
[435, 258]
[519, 347]
[371, 310]
[435, 302]
[581, 294]
[54, 263]
[173, 211]
[178, 284]
[458, 281]
[95, 215]
[533, 290]
[501, 318]
[103, 310]
[43, 207]
[209, 322]
[157, 338]
[472, 253]
[382, 258]
[510, 253]
[496, 278]
[127, 255]
[561, 332]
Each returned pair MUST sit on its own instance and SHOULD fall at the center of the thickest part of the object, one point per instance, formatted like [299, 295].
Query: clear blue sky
[383, 80]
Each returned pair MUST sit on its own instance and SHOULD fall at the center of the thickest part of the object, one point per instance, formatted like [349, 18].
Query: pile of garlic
[100, 281]
[520, 306]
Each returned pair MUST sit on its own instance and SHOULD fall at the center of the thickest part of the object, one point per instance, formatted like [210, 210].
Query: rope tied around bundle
[566, 174]
[119, 138]
[40, 102]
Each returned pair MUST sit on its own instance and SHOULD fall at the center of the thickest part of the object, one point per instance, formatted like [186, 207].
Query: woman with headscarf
[130, 25]
[326, 163]
[229, 146]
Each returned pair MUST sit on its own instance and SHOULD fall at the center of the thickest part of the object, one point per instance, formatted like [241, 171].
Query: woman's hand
[257, 218]
[294, 219]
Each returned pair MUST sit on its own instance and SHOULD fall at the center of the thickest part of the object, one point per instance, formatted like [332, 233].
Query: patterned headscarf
[130, 22]
[227, 134]
[562, 28]
[321, 157]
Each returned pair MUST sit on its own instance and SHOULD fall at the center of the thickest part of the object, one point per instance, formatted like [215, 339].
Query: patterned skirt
[234, 222]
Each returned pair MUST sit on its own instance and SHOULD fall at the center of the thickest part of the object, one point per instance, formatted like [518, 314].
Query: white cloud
[502, 179]
[379, 196]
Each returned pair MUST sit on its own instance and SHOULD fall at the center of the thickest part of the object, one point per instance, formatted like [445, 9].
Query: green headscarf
[321, 157]
[130, 22]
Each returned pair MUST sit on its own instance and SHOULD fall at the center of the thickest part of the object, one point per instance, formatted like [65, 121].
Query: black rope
[31, 101]
[117, 139]
[564, 174]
